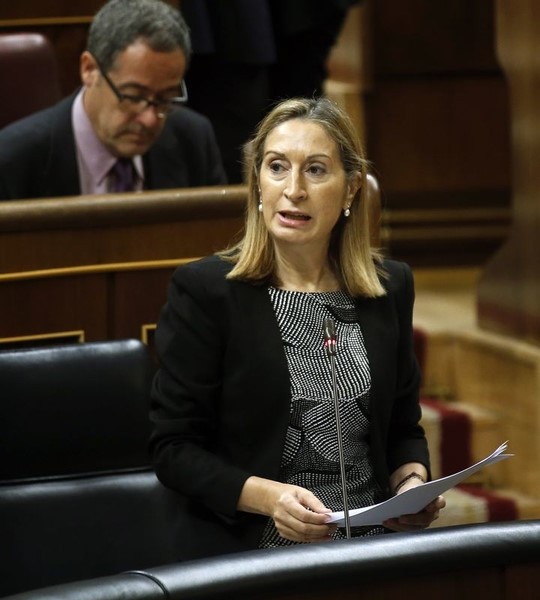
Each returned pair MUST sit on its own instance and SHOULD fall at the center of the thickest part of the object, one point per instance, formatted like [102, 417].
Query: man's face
[138, 71]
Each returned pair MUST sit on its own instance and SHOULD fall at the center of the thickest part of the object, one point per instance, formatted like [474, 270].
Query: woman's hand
[402, 479]
[421, 519]
[298, 514]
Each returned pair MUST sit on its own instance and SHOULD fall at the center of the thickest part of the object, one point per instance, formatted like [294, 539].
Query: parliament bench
[499, 561]
[83, 517]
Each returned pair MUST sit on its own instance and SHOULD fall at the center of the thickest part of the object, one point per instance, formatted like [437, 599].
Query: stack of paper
[415, 499]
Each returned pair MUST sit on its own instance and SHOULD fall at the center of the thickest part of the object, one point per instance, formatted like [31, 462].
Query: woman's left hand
[420, 520]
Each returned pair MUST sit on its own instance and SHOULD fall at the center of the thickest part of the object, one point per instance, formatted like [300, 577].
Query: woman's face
[303, 185]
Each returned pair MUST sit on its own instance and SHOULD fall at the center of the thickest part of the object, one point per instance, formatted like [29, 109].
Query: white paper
[415, 499]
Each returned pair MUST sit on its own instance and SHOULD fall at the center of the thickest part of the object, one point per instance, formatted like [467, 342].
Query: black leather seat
[78, 498]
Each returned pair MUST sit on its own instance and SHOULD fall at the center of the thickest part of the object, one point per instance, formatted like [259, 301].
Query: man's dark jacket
[38, 155]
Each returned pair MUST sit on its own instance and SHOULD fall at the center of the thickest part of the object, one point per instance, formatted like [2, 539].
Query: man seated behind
[129, 107]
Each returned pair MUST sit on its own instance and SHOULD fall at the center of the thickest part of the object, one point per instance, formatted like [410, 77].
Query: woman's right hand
[298, 514]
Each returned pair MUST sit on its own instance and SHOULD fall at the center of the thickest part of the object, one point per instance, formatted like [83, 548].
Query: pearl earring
[260, 206]
[347, 212]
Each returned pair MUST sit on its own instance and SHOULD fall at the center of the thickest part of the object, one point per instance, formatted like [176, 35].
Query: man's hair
[120, 23]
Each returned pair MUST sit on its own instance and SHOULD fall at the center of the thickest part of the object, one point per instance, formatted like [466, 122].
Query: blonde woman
[243, 416]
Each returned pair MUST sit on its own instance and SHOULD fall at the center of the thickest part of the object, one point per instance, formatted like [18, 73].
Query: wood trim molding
[92, 269]
[57, 336]
[44, 22]
[147, 330]
[88, 212]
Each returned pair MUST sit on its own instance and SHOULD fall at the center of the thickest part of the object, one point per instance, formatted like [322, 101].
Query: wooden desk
[97, 267]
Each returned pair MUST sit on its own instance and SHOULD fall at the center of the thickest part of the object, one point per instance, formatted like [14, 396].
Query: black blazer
[38, 156]
[221, 399]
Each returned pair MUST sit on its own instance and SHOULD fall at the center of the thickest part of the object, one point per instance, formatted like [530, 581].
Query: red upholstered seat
[29, 75]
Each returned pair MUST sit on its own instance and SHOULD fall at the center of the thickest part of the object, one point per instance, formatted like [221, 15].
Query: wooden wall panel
[138, 298]
[57, 10]
[437, 121]
[52, 9]
[440, 136]
[522, 582]
[56, 248]
[422, 37]
[509, 290]
[57, 309]
[115, 301]
[444, 198]
[465, 585]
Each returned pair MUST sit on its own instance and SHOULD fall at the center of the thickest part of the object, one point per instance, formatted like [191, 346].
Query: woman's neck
[305, 273]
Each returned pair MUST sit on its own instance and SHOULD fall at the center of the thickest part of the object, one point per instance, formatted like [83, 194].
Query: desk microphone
[330, 344]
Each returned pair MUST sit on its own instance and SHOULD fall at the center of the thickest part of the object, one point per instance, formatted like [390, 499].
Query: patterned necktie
[124, 176]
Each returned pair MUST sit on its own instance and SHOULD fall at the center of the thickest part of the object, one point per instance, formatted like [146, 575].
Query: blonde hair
[350, 253]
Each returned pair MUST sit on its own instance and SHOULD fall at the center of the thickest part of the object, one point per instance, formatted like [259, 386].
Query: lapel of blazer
[378, 324]
[62, 171]
[268, 373]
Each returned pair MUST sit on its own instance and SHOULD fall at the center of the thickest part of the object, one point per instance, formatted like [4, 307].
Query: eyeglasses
[136, 105]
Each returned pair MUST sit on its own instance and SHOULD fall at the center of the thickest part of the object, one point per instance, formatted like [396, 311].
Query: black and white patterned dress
[311, 454]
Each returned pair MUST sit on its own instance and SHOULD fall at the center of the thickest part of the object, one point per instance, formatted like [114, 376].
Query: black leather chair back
[78, 498]
[74, 409]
